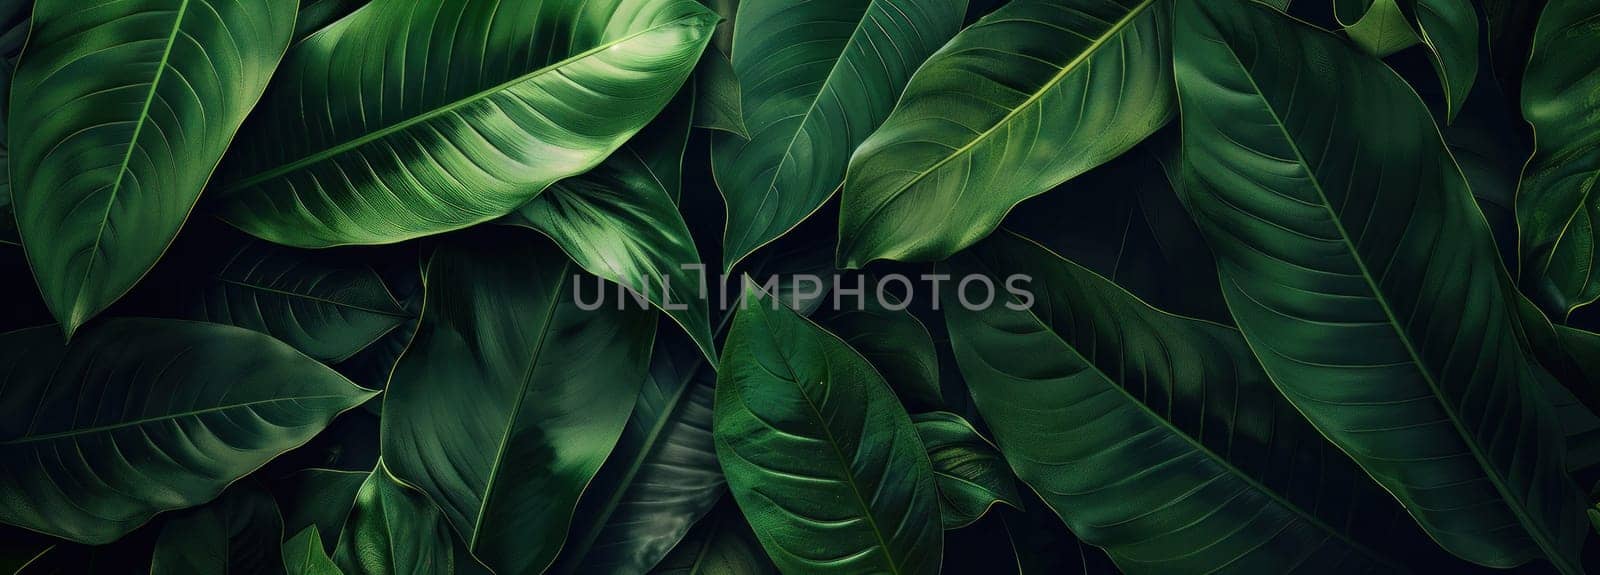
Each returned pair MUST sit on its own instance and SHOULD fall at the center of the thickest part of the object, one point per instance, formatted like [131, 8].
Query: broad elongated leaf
[818, 453]
[1559, 203]
[893, 341]
[139, 416]
[721, 544]
[662, 476]
[303, 555]
[971, 476]
[122, 110]
[620, 221]
[324, 305]
[319, 499]
[411, 118]
[1032, 95]
[816, 79]
[510, 396]
[1366, 280]
[239, 533]
[1156, 437]
[393, 529]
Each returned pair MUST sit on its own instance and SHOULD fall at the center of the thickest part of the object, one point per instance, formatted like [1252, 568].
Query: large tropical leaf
[820, 456]
[662, 476]
[1366, 280]
[1157, 437]
[140, 416]
[620, 221]
[122, 109]
[816, 79]
[411, 118]
[239, 533]
[972, 477]
[325, 305]
[393, 529]
[1558, 206]
[1032, 95]
[510, 396]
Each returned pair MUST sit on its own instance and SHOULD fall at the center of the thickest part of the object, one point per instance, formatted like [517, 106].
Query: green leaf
[303, 555]
[817, 78]
[1044, 546]
[1559, 203]
[393, 529]
[315, 15]
[1365, 278]
[1447, 28]
[818, 453]
[122, 109]
[318, 499]
[325, 305]
[719, 100]
[1379, 27]
[662, 476]
[411, 118]
[1032, 95]
[893, 341]
[620, 221]
[239, 533]
[972, 477]
[139, 416]
[510, 396]
[1156, 437]
[721, 544]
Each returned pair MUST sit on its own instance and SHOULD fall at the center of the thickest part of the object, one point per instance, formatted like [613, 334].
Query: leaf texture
[303, 555]
[139, 416]
[1032, 95]
[822, 460]
[971, 475]
[816, 79]
[510, 397]
[122, 110]
[393, 529]
[409, 118]
[1363, 275]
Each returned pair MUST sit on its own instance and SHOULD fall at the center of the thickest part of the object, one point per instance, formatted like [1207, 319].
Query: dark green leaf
[393, 529]
[122, 109]
[239, 533]
[971, 476]
[1362, 274]
[721, 544]
[510, 396]
[1032, 95]
[318, 14]
[319, 499]
[1559, 205]
[303, 555]
[139, 416]
[1157, 437]
[353, 146]
[816, 79]
[893, 341]
[719, 101]
[820, 456]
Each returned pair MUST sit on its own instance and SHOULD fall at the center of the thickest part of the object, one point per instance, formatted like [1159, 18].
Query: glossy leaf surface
[971, 475]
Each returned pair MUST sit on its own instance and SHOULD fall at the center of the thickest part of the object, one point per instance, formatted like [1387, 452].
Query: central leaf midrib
[348, 145]
[1534, 530]
[144, 420]
[308, 297]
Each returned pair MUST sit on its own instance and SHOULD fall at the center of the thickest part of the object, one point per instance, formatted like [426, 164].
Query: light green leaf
[411, 118]
[239, 533]
[971, 476]
[303, 555]
[662, 476]
[620, 221]
[139, 416]
[510, 396]
[327, 305]
[1365, 278]
[121, 110]
[817, 78]
[1379, 27]
[1157, 437]
[1032, 95]
[820, 456]
[1559, 203]
[394, 530]
[721, 544]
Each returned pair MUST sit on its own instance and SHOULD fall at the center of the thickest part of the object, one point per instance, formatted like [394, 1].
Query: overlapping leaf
[510, 397]
[122, 109]
[140, 416]
[409, 118]
[239, 533]
[1362, 274]
[816, 79]
[1032, 95]
[1447, 28]
[393, 529]
[972, 477]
